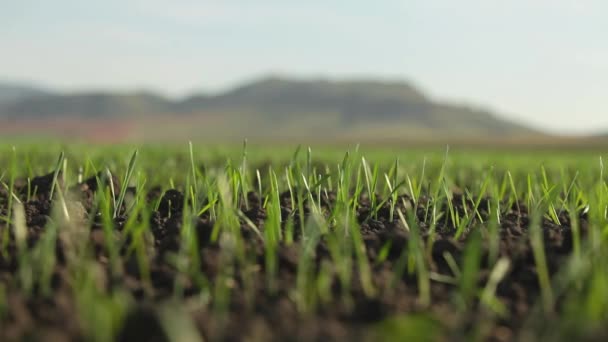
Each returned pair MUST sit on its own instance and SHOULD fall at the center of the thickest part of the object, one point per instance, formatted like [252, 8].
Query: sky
[540, 62]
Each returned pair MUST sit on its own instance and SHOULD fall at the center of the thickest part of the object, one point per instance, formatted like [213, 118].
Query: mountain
[12, 92]
[351, 105]
[279, 107]
[92, 105]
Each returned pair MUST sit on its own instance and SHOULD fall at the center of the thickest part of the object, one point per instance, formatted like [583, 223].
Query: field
[201, 242]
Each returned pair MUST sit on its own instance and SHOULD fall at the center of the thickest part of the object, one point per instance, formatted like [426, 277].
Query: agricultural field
[258, 243]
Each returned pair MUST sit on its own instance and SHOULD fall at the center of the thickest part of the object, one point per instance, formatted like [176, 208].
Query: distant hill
[12, 92]
[351, 105]
[284, 107]
[97, 105]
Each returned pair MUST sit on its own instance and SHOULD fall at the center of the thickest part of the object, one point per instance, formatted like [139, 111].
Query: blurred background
[471, 71]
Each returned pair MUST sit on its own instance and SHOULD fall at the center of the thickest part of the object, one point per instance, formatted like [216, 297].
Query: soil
[254, 312]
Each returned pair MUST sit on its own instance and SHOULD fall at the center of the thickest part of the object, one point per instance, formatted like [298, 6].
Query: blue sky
[542, 62]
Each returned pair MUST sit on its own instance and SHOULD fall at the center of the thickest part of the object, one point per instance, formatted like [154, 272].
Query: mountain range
[15, 92]
[267, 107]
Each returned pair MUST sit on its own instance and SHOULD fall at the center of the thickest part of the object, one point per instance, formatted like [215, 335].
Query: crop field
[259, 243]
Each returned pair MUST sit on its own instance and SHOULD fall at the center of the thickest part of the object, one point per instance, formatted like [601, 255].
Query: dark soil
[273, 315]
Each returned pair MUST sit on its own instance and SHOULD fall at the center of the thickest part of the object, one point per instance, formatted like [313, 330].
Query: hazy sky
[544, 62]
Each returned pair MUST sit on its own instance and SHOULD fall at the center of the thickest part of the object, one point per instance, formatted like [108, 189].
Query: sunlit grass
[445, 190]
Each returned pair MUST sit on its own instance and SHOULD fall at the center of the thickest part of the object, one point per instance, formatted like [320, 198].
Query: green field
[260, 242]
